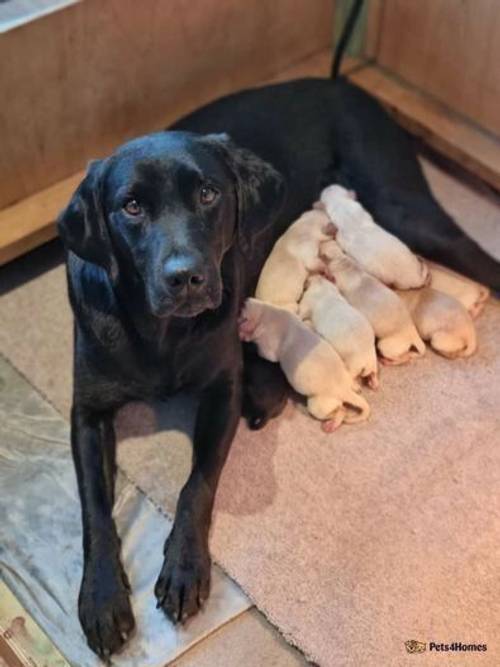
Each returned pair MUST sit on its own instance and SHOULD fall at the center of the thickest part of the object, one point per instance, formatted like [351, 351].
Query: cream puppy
[378, 252]
[441, 320]
[311, 365]
[470, 294]
[344, 327]
[294, 255]
[397, 338]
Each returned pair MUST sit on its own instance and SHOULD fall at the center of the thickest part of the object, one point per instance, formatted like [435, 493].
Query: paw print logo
[413, 646]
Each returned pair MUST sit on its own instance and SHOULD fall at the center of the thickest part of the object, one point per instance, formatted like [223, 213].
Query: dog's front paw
[104, 607]
[184, 581]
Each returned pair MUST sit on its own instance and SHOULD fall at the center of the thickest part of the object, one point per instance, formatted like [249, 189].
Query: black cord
[345, 37]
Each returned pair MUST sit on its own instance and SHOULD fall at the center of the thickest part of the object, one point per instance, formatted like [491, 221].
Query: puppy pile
[338, 293]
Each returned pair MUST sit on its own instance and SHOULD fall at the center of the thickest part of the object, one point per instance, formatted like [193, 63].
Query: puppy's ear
[82, 226]
[260, 189]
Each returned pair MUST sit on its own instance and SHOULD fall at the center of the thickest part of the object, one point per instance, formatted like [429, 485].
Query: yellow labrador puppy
[397, 338]
[294, 255]
[344, 327]
[311, 365]
[378, 252]
[442, 321]
[471, 295]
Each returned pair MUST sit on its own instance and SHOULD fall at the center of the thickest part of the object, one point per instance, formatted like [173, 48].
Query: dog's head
[164, 209]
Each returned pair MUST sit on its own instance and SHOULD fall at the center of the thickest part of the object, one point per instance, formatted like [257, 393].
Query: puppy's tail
[359, 409]
[418, 346]
[345, 37]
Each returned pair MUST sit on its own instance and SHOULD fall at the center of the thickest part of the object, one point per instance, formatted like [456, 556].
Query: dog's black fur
[166, 238]
[265, 389]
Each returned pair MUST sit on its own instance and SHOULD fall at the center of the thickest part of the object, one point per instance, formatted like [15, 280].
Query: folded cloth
[40, 540]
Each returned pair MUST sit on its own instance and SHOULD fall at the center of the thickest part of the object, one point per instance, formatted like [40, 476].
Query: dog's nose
[182, 272]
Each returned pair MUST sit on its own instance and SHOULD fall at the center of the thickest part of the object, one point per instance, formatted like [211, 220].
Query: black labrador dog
[165, 240]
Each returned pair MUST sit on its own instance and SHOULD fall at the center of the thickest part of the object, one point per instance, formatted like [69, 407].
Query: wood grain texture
[449, 49]
[373, 25]
[31, 222]
[477, 151]
[80, 81]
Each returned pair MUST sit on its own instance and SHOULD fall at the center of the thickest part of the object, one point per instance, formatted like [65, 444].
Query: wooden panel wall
[449, 49]
[80, 81]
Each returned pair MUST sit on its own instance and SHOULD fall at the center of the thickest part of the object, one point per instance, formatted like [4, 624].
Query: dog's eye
[208, 195]
[132, 207]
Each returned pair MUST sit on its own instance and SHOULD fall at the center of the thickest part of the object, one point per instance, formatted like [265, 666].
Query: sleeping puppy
[376, 251]
[344, 327]
[442, 321]
[471, 295]
[265, 389]
[397, 338]
[311, 365]
[294, 255]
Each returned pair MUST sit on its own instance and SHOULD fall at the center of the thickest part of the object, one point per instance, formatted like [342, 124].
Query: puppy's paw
[246, 329]
[484, 294]
[184, 581]
[335, 420]
[104, 607]
[372, 381]
[477, 307]
[329, 426]
[396, 361]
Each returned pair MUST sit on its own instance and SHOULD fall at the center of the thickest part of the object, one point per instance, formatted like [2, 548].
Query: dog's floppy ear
[260, 189]
[82, 226]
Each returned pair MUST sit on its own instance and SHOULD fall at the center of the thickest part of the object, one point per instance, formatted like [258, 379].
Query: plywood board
[84, 79]
[477, 151]
[31, 222]
[449, 50]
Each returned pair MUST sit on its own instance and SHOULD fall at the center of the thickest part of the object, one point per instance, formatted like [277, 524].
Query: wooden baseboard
[31, 222]
[458, 139]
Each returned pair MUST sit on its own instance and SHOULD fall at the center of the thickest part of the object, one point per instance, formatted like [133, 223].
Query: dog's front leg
[184, 580]
[103, 605]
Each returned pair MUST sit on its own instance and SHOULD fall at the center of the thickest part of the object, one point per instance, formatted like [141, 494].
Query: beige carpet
[351, 543]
